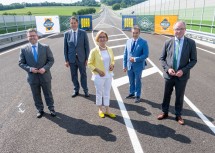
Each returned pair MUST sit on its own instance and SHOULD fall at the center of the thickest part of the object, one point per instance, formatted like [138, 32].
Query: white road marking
[117, 46]
[116, 35]
[206, 50]
[19, 105]
[117, 39]
[124, 80]
[21, 111]
[118, 57]
[131, 132]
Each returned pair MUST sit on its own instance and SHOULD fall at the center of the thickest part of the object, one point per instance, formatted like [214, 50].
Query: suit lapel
[79, 38]
[39, 51]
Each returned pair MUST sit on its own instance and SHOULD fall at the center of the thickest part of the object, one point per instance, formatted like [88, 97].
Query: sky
[8, 2]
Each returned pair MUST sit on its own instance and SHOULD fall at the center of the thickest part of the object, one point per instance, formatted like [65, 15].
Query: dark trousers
[74, 74]
[36, 91]
[180, 86]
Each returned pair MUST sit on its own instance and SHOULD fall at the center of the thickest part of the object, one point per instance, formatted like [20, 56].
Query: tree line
[23, 5]
[117, 4]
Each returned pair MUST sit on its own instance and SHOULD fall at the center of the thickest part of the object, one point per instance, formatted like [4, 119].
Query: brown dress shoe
[162, 116]
[179, 120]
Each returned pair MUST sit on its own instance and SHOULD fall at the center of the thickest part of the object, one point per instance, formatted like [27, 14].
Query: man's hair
[136, 27]
[180, 21]
[73, 18]
[31, 30]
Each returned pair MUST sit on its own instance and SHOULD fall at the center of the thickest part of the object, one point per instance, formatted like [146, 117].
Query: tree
[123, 5]
[116, 6]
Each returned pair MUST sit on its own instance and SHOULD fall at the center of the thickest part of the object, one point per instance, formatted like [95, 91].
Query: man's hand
[171, 72]
[86, 63]
[179, 73]
[41, 71]
[34, 70]
[125, 70]
[131, 59]
[67, 64]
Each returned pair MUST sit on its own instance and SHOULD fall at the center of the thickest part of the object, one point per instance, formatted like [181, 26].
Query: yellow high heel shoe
[102, 115]
[111, 115]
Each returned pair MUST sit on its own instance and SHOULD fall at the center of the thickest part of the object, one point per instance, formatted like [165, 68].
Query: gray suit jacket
[81, 49]
[45, 60]
[187, 61]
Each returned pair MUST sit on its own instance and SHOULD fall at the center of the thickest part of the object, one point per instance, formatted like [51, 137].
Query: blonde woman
[101, 63]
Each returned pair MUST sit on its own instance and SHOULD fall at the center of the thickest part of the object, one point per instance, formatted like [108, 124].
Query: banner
[85, 22]
[164, 24]
[128, 21]
[64, 23]
[146, 23]
[47, 24]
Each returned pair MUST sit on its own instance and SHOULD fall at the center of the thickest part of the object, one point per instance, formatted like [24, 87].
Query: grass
[40, 11]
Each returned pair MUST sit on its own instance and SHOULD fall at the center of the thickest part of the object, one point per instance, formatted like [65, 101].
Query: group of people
[178, 57]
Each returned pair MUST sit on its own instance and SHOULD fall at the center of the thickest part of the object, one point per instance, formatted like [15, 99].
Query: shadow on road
[81, 127]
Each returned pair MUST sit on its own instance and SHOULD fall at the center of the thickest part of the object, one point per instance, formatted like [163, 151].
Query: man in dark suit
[135, 54]
[37, 59]
[179, 55]
[76, 52]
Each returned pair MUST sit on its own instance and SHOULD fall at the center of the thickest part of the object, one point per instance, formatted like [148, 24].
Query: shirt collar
[135, 40]
[34, 44]
[75, 30]
[182, 39]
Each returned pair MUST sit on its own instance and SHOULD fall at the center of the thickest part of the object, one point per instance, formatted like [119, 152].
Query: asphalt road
[78, 128]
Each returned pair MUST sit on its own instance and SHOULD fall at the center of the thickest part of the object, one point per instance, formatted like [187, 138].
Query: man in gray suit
[37, 59]
[76, 52]
[179, 55]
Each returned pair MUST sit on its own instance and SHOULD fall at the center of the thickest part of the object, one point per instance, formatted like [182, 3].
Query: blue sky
[7, 2]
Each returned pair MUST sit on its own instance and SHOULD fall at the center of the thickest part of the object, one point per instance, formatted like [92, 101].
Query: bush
[116, 6]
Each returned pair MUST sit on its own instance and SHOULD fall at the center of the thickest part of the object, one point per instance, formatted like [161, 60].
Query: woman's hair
[98, 34]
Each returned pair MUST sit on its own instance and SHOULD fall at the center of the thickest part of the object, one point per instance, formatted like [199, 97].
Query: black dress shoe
[130, 96]
[53, 113]
[75, 94]
[87, 94]
[40, 114]
[137, 100]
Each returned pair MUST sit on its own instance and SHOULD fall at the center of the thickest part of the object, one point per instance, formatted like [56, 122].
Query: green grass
[58, 10]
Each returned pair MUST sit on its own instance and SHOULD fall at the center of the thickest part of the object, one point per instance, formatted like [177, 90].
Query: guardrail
[13, 38]
[201, 36]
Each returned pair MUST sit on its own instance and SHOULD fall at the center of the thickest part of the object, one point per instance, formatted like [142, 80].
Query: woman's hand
[101, 73]
[111, 67]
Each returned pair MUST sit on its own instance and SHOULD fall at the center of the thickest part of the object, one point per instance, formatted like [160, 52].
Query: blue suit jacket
[81, 48]
[140, 54]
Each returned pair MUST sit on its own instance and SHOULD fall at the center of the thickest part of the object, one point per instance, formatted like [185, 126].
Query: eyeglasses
[102, 37]
[32, 36]
[179, 29]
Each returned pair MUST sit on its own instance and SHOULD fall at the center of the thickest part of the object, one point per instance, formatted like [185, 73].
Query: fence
[198, 14]
[14, 23]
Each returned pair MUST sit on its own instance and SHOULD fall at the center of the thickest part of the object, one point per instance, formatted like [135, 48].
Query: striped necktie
[35, 53]
[175, 60]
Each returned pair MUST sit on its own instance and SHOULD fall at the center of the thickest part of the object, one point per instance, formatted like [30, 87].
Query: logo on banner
[145, 23]
[48, 24]
[165, 24]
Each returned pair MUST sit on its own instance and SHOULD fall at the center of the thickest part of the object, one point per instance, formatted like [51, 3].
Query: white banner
[47, 24]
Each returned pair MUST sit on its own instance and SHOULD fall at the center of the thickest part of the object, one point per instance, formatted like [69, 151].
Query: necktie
[75, 38]
[175, 61]
[132, 48]
[35, 53]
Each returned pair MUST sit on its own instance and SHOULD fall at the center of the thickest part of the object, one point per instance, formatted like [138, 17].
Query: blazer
[140, 53]
[81, 49]
[187, 61]
[45, 60]
[95, 59]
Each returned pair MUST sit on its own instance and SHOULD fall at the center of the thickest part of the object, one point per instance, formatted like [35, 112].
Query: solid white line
[19, 105]
[132, 134]
[118, 57]
[117, 46]
[206, 51]
[124, 80]
[117, 39]
[200, 114]
[116, 35]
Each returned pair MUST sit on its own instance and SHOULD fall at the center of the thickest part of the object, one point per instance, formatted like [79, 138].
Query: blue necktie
[175, 61]
[132, 48]
[35, 53]
[75, 38]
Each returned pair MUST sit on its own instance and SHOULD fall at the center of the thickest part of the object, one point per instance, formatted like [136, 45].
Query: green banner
[146, 23]
[64, 23]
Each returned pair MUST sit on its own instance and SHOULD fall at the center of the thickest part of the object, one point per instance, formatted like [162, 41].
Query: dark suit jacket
[81, 48]
[45, 60]
[187, 61]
